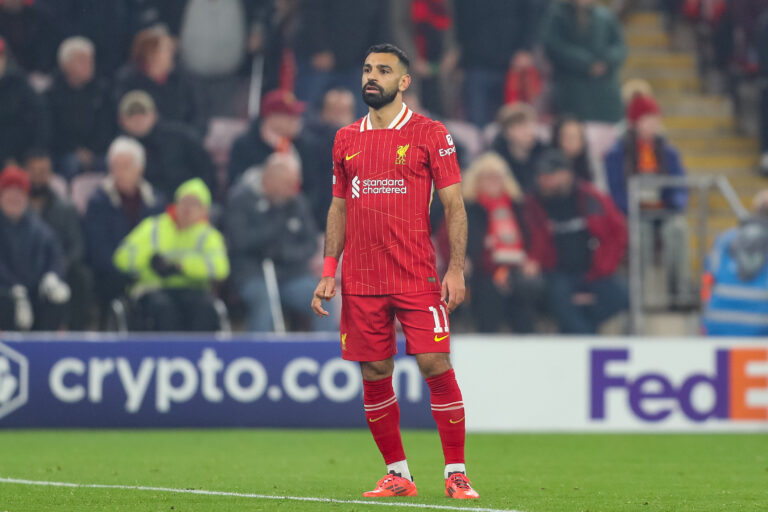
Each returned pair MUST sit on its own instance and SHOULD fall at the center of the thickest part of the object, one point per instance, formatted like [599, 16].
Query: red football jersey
[386, 177]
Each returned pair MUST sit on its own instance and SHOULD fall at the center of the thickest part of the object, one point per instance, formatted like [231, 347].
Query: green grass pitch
[527, 472]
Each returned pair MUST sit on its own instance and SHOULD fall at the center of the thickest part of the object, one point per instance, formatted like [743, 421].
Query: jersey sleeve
[443, 163]
[339, 175]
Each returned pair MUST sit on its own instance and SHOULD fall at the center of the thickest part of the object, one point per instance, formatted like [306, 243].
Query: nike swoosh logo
[374, 420]
[457, 421]
[350, 157]
[437, 340]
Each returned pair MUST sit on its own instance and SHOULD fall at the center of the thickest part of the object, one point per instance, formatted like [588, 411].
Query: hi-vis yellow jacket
[199, 251]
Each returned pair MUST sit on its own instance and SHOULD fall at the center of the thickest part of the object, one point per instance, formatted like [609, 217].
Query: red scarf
[503, 240]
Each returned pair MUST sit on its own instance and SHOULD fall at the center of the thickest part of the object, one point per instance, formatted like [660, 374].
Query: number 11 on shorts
[439, 328]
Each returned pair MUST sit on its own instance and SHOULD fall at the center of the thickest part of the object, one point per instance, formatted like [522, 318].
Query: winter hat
[12, 176]
[281, 102]
[136, 102]
[552, 160]
[194, 187]
[642, 105]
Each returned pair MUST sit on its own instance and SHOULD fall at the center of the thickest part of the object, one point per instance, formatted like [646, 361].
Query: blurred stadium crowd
[160, 151]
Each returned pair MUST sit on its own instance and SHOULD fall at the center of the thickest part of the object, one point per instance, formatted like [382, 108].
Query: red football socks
[383, 415]
[448, 411]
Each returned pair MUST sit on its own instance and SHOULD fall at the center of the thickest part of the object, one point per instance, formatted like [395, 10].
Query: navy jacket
[105, 223]
[28, 252]
[620, 163]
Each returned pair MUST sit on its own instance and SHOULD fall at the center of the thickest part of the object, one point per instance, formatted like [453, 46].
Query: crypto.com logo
[14, 380]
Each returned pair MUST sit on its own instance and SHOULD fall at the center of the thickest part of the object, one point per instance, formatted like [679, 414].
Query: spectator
[278, 129]
[174, 153]
[425, 30]
[30, 33]
[32, 293]
[214, 38]
[109, 24]
[505, 285]
[23, 123]
[152, 70]
[338, 111]
[333, 36]
[735, 302]
[518, 143]
[568, 136]
[578, 238]
[644, 151]
[61, 216]
[82, 116]
[176, 257]
[274, 223]
[762, 54]
[494, 36]
[279, 23]
[122, 201]
[585, 44]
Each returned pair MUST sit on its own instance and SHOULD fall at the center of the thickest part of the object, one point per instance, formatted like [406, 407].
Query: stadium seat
[83, 187]
[222, 132]
[123, 316]
[60, 185]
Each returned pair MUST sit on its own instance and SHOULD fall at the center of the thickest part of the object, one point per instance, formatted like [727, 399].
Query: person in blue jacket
[735, 282]
[644, 151]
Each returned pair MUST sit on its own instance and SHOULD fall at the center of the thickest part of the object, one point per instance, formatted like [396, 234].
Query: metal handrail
[703, 185]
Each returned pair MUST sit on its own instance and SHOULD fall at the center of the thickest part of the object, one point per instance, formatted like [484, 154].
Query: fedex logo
[653, 396]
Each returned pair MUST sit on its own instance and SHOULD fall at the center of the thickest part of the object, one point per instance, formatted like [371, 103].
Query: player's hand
[453, 289]
[326, 290]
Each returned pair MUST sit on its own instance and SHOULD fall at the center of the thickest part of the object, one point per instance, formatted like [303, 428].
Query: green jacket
[199, 251]
[573, 52]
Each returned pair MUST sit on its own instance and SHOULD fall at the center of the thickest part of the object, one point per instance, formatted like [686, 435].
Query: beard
[377, 100]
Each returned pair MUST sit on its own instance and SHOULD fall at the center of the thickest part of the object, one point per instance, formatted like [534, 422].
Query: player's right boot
[392, 485]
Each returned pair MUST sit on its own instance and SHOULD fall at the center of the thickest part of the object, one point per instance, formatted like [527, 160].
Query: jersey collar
[400, 120]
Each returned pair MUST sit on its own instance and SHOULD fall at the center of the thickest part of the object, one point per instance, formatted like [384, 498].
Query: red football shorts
[368, 325]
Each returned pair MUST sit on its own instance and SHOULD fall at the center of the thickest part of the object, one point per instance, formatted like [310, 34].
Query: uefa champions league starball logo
[8, 382]
[14, 380]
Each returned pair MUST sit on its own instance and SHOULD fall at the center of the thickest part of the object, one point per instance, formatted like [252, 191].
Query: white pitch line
[4, 480]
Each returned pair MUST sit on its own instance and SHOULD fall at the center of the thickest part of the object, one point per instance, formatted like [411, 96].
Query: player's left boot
[392, 485]
[457, 486]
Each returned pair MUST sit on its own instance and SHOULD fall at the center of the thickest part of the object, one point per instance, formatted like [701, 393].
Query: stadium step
[701, 126]
[645, 19]
[647, 39]
[733, 161]
[695, 144]
[704, 124]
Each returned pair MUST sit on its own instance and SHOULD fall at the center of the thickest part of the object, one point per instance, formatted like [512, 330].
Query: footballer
[384, 169]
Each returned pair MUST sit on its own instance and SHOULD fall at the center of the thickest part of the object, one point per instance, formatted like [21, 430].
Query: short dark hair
[390, 48]
[35, 154]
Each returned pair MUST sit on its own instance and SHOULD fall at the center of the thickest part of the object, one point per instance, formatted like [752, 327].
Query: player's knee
[432, 365]
[377, 370]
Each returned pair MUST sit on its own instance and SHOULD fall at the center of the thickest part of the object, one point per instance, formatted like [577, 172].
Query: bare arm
[456, 220]
[335, 233]
[335, 230]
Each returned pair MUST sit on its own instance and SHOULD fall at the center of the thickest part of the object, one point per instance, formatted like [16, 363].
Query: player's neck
[384, 116]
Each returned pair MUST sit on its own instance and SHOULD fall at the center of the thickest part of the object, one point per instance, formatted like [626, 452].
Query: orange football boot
[392, 485]
[457, 486]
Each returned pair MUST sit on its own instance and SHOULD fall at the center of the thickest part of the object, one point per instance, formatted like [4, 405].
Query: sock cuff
[442, 384]
[378, 393]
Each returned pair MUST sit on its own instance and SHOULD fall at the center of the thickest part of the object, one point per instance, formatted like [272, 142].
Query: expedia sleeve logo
[14, 377]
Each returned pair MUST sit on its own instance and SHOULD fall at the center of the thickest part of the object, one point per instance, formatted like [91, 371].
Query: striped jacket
[733, 307]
